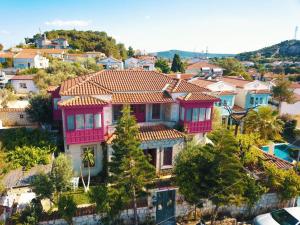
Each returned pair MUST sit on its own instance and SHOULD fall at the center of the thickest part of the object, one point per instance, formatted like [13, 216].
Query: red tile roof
[6, 54]
[52, 88]
[152, 133]
[182, 86]
[12, 109]
[236, 81]
[199, 65]
[198, 96]
[82, 101]
[184, 76]
[202, 82]
[22, 77]
[279, 163]
[295, 85]
[154, 97]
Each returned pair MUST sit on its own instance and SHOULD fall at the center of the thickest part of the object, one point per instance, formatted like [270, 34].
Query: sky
[221, 26]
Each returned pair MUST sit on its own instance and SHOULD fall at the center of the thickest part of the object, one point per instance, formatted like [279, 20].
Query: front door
[165, 207]
[139, 111]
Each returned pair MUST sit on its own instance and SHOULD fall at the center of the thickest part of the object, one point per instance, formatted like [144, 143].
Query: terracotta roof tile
[237, 108]
[6, 54]
[184, 76]
[202, 82]
[52, 88]
[236, 81]
[199, 65]
[154, 97]
[182, 86]
[279, 163]
[295, 85]
[152, 133]
[23, 77]
[81, 101]
[12, 109]
[198, 96]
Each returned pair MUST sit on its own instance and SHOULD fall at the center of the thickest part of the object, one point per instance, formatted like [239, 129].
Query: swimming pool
[281, 151]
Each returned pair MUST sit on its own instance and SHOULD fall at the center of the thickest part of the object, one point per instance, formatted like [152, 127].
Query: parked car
[286, 216]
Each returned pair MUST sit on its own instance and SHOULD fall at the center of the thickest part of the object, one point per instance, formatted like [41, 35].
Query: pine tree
[129, 169]
[177, 64]
[130, 52]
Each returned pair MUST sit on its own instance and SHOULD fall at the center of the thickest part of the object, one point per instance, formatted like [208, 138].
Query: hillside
[186, 54]
[290, 48]
[87, 41]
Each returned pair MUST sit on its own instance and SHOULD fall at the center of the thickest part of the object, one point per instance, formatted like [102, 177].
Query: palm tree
[87, 157]
[264, 120]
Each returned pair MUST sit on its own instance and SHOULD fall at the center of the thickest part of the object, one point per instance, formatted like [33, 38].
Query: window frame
[97, 125]
[83, 117]
[158, 116]
[167, 157]
[86, 122]
[114, 120]
[73, 122]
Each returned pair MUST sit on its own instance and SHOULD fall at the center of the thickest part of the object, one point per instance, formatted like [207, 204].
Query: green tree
[163, 65]
[212, 172]
[88, 158]
[32, 213]
[264, 120]
[123, 51]
[62, 173]
[129, 168]
[40, 109]
[177, 64]
[282, 91]
[130, 52]
[7, 95]
[42, 186]
[67, 208]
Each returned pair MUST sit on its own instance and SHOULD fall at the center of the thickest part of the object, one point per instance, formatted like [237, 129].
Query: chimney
[178, 76]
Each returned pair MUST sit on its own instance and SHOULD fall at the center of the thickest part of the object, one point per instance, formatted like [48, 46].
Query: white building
[24, 84]
[25, 60]
[142, 62]
[111, 63]
[292, 108]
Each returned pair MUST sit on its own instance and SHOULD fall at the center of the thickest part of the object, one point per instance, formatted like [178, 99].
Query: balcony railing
[84, 136]
[197, 127]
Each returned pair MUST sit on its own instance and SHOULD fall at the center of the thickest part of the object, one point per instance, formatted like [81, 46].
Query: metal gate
[165, 207]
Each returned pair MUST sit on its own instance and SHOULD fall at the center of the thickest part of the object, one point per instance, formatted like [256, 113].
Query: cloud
[68, 23]
[4, 32]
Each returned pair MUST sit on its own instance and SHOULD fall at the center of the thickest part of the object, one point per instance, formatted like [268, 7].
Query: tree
[42, 186]
[88, 158]
[6, 95]
[61, 173]
[67, 208]
[123, 51]
[129, 168]
[1, 47]
[212, 172]
[163, 65]
[130, 52]
[282, 91]
[32, 213]
[264, 120]
[40, 109]
[177, 64]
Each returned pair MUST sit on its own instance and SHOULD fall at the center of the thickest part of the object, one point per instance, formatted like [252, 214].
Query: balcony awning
[140, 98]
[154, 133]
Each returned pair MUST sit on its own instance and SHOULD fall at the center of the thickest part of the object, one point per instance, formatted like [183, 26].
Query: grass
[80, 197]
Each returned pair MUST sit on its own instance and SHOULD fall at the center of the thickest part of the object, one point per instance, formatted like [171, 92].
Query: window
[23, 85]
[155, 111]
[117, 111]
[79, 121]
[252, 100]
[167, 158]
[21, 116]
[256, 101]
[86, 150]
[181, 113]
[89, 121]
[260, 100]
[70, 122]
[188, 114]
[224, 103]
[55, 101]
[97, 119]
[195, 114]
[202, 114]
[208, 114]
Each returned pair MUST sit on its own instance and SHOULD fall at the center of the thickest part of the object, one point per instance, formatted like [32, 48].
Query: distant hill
[290, 48]
[87, 41]
[186, 54]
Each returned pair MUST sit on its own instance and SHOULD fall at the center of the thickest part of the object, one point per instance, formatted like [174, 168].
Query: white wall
[30, 86]
[292, 109]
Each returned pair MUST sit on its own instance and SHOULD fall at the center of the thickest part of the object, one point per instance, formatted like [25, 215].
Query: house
[24, 84]
[95, 55]
[205, 69]
[294, 107]
[57, 43]
[144, 62]
[55, 53]
[74, 57]
[249, 94]
[111, 63]
[5, 56]
[90, 106]
[30, 59]
[225, 91]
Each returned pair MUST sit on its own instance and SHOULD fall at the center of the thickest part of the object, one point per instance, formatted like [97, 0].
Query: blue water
[281, 151]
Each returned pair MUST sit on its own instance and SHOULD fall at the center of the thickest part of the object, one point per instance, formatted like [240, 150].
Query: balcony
[84, 136]
[197, 127]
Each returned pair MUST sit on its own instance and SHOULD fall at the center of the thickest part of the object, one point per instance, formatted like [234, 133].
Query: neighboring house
[25, 60]
[225, 91]
[111, 63]
[292, 108]
[74, 57]
[142, 62]
[24, 84]
[92, 104]
[3, 80]
[55, 53]
[203, 68]
[96, 55]
[4, 56]
[10, 117]
[249, 93]
[58, 43]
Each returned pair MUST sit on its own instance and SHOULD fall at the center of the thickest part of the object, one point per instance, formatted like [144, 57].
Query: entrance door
[139, 111]
[165, 207]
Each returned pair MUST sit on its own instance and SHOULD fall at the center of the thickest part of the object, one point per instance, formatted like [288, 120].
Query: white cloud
[4, 32]
[68, 23]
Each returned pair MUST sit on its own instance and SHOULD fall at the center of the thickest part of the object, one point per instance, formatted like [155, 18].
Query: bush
[32, 213]
[40, 109]
[67, 208]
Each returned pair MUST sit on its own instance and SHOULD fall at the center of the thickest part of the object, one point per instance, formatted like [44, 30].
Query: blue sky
[228, 26]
